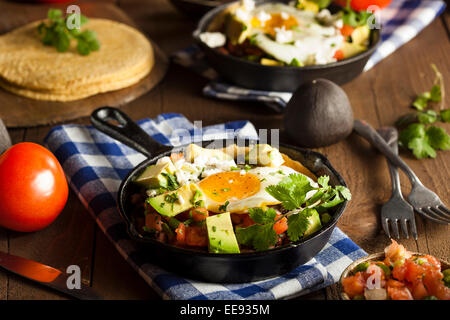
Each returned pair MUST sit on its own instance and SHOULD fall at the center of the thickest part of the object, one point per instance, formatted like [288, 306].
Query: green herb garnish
[291, 192]
[224, 206]
[56, 33]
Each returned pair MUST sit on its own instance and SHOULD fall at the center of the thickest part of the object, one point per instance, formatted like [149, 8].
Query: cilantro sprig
[417, 132]
[354, 18]
[292, 193]
[55, 33]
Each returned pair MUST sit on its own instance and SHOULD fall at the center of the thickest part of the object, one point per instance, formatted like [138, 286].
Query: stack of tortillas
[31, 69]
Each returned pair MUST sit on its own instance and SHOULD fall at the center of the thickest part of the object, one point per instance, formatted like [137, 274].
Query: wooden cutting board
[17, 111]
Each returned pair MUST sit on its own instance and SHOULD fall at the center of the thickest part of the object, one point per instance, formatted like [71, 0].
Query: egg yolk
[277, 21]
[223, 186]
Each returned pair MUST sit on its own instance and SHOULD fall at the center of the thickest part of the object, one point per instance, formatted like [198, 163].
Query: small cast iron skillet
[213, 267]
[254, 75]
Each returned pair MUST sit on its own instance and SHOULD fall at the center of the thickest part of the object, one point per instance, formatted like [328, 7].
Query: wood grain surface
[379, 96]
[18, 111]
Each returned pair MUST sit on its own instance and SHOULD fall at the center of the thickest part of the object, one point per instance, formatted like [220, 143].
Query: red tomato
[419, 291]
[398, 291]
[33, 188]
[347, 30]
[359, 5]
[181, 233]
[339, 55]
[153, 221]
[435, 286]
[281, 225]
[354, 285]
[196, 236]
[199, 214]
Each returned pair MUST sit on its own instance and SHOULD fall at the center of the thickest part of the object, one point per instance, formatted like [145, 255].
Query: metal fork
[424, 201]
[396, 210]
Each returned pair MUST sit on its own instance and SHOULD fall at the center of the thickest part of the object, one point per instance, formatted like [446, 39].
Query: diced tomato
[153, 221]
[281, 225]
[236, 218]
[339, 55]
[397, 290]
[246, 221]
[419, 291]
[399, 271]
[347, 30]
[181, 234]
[199, 214]
[176, 156]
[354, 285]
[435, 286]
[360, 5]
[433, 261]
[196, 236]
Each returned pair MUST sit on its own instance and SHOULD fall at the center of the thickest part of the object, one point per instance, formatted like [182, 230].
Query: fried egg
[242, 189]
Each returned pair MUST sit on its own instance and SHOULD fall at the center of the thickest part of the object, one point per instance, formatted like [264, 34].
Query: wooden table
[379, 96]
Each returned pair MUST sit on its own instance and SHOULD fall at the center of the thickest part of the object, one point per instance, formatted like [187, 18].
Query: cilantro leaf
[291, 191]
[260, 216]
[445, 115]
[438, 138]
[427, 117]
[323, 181]
[260, 237]
[421, 101]
[345, 192]
[224, 206]
[421, 148]
[435, 93]
[298, 224]
[415, 130]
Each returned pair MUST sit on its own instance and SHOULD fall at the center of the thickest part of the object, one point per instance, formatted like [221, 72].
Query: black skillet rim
[129, 224]
[206, 19]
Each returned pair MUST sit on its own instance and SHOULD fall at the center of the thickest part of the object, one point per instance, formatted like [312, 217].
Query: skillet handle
[125, 131]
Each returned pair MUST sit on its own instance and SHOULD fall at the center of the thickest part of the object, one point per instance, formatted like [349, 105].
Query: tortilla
[29, 68]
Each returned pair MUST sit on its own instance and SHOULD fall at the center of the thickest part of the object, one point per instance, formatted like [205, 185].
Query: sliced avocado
[235, 29]
[172, 203]
[153, 176]
[265, 155]
[221, 234]
[193, 151]
[270, 62]
[360, 35]
[351, 49]
[308, 5]
[314, 224]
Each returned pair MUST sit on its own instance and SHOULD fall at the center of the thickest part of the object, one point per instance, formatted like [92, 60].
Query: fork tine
[440, 213]
[403, 223]
[437, 215]
[444, 208]
[428, 216]
[394, 227]
[385, 225]
[412, 227]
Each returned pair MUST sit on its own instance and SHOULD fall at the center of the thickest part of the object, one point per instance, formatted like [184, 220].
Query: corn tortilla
[29, 68]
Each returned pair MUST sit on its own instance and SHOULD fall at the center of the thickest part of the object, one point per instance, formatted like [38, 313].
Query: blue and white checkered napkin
[402, 20]
[95, 164]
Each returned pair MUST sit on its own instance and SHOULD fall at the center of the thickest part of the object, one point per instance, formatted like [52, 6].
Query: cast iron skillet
[254, 75]
[213, 267]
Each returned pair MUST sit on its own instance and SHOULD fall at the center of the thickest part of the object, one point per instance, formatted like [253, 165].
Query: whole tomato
[33, 188]
[360, 5]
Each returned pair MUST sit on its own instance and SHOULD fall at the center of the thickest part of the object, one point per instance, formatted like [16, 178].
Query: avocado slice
[153, 176]
[314, 224]
[193, 151]
[172, 203]
[221, 234]
[265, 155]
[235, 29]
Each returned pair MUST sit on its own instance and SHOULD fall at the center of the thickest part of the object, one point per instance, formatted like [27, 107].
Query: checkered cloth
[95, 164]
[402, 20]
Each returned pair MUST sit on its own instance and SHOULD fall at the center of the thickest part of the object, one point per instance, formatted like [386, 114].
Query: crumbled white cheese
[213, 39]
[180, 200]
[263, 16]
[248, 5]
[284, 15]
[339, 23]
[242, 15]
[242, 172]
[282, 35]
